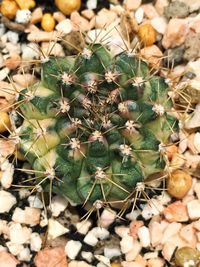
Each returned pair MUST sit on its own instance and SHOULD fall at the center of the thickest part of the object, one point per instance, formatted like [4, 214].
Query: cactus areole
[94, 124]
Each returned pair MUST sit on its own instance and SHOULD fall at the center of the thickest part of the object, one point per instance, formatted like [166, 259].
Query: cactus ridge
[94, 125]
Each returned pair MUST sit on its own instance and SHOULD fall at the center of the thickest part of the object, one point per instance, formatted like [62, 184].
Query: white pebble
[150, 255]
[13, 37]
[90, 239]
[55, 229]
[7, 200]
[30, 52]
[65, 26]
[7, 174]
[139, 15]
[23, 193]
[88, 256]
[58, 204]
[83, 227]
[4, 73]
[126, 243]
[35, 242]
[159, 24]
[14, 248]
[111, 252]
[133, 215]
[24, 255]
[19, 234]
[2, 248]
[72, 249]
[79, 264]
[107, 218]
[122, 231]
[193, 208]
[144, 236]
[132, 254]
[35, 202]
[97, 36]
[100, 232]
[105, 261]
[91, 4]
[154, 207]
[23, 16]
[27, 216]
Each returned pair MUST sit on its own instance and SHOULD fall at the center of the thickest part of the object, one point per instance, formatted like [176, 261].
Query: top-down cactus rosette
[94, 125]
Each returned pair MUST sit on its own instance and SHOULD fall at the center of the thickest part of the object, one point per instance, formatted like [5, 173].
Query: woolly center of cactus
[94, 123]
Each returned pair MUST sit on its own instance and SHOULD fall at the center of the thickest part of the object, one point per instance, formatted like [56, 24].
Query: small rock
[73, 43]
[23, 16]
[192, 42]
[152, 54]
[58, 205]
[154, 207]
[13, 62]
[7, 171]
[13, 248]
[157, 262]
[150, 11]
[83, 226]
[103, 260]
[127, 244]
[24, 80]
[139, 15]
[193, 208]
[107, 218]
[174, 56]
[188, 234]
[55, 229]
[28, 216]
[35, 242]
[176, 9]
[151, 255]
[144, 236]
[156, 233]
[160, 6]
[72, 249]
[8, 260]
[122, 231]
[130, 264]
[134, 252]
[147, 34]
[19, 234]
[111, 252]
[65, 26]
[194, 121]
[30, 52]
[91, 4]
[134, 227]
[13, 37]
[49, 257]
[42, 36]
[79, 22]
[7, 200]
[175, 33]
[52, 49]
[78, 264]
[171, 230]
[59, 16]
[4, 73]
[88, 256]
[132, 5]
[159, 24]
[24, 255]
[35, 202]
[36, 15]
[88, 13]
[193, 4]
[104, 18]
[176, 212]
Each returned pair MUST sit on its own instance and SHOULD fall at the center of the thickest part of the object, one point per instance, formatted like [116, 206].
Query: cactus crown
[94, 124]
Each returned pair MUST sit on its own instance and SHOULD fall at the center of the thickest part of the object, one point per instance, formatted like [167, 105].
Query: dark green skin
[76, 170]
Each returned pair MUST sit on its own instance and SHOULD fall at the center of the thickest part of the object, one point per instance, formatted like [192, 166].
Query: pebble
[160, 5]
[13, 248]
[191, 45]
[154, 207]
[126, 244]
[134, 252]
[139, 15]
[175, 33]
[83, 226]
[147, 34]
[111, 252]
[156, 262]
[104, 18]
[29, 216]
[42, 36]
[72, 248]
[48, 22]
[9, 9]
[159, 24]
[88, 13]
[36, 15]
[88, 256]
[132, 5]
[194, 5]
[12, 37]
[58, 205]
[55, 229]
[13, 62]
[7, 200]
[19, 234]
[4, 73]
[28, 4]
[171, 229]
[35, 202]
[150, 11]
[187, 233]
[134, 227]
[176, 9]
[30, 52]
[92, 236]
[8, 260]
[59, 16]
[194, 121]
[68, 6]
[24, 255]
[91, 4]
[35, 242]
[96, 36]
[176, 212]
[78, 264]
[144, 236]
[107, 218]
[65, 26]
[52, 49]
[23, 16]
[7, 171]
[49, 257]
[79, 23]
[174, 56]
[24, 80]
[193, 208]
[153, 55]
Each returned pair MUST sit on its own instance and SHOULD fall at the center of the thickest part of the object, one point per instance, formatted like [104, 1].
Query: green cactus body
[94, 124]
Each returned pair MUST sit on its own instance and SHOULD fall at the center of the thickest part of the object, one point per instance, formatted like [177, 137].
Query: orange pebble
[9, 8]
[48, 22]
[171, 150]
[147, 34]
[68, 6]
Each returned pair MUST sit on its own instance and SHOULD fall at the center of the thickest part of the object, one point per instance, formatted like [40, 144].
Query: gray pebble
[176, 9]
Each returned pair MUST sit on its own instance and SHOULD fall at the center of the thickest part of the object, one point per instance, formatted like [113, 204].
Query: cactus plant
[94, 125]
